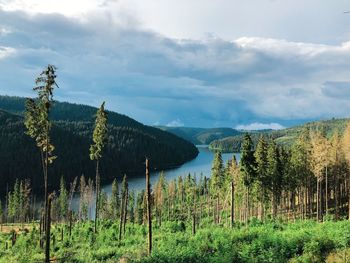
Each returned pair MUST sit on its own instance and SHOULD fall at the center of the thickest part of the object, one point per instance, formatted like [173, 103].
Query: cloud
[337, 89]
[154, 78]
[6, 51]
[260, 126]
[175, 123]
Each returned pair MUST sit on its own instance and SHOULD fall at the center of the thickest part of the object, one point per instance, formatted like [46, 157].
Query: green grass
[269, 242]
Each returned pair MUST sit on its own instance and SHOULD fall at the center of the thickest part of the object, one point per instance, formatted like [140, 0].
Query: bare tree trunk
[70, 223]
[336, 197]
[326, 190]
[217, 210]
[97, 194]
[348, 187]
[318, 201]
[194, 213]
[232, 204]
[121, 215]
[48, 225]
[125, 209]
[41, 226]
[149, 214]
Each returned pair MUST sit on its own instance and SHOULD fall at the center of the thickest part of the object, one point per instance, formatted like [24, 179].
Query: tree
[149, 211]
[37, 122]
[336, 158]
[319, 162]
[300, 172]
[232, 172]
[99, 138]
[217, 180]
[261, 172]
[115, 203]
[159, 197]
[63, 200]
[247, 167]
[346, 149]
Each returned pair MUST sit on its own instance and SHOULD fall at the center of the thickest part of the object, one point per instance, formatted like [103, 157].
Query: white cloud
[175, 123]
[260, 126]
[6, 51]
[66, 7]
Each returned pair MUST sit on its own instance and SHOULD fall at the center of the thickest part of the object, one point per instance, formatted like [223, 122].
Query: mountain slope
[128, 143]
[283, 137]
[201, 135]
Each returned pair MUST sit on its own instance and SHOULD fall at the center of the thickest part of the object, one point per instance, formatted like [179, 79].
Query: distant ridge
[201, 135]
[283, 137]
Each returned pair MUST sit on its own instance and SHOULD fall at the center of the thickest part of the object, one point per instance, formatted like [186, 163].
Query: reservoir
[201, 165]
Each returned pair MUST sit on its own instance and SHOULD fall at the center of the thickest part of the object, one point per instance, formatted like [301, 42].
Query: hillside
[128, 143]
[201, 135]
[283, 137]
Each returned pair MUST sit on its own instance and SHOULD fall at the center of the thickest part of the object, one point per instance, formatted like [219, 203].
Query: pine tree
[261, 173]
[149, 209]
[319, 162]
[115, 202]
[217, 180]
[300, 172]
[37, 122]
[124, 202]
[99, 138]
[248, 170]
[274, 175]
[159, 197]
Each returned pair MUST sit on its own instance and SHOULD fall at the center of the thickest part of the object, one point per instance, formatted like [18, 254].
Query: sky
[252, 64]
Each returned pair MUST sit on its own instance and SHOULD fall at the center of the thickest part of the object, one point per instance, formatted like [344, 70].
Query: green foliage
[306, 241]
[100, 133]
[218, 178]
[247, 162]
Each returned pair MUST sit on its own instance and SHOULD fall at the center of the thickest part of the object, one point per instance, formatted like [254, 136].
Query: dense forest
[284, 137]
[128, 143]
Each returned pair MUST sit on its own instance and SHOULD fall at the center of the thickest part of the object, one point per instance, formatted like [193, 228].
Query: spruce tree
[248, 170]
[99, 140]
[261, 173]
[37, 122]
[217, 181]
[319, 162]
[274, 177]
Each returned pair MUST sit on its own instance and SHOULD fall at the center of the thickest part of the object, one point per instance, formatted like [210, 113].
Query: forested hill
[128, 143]
[201, 135]
[282, 137]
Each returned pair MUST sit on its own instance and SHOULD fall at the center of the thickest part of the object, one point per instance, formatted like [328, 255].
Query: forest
[288, 203]
[128, 143]
[283, 137]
